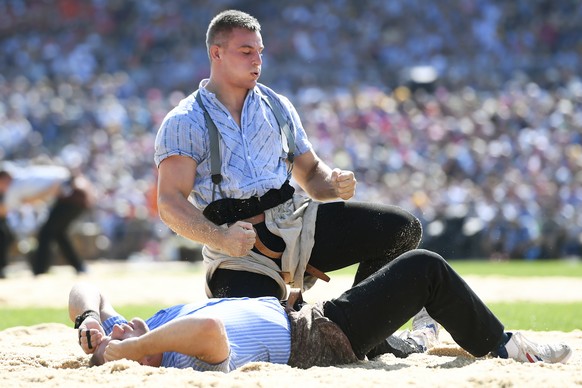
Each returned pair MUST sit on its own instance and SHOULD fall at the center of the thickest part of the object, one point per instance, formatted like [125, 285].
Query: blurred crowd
[487, 152]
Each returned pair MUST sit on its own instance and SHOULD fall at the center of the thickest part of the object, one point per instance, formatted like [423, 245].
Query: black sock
[501, 352]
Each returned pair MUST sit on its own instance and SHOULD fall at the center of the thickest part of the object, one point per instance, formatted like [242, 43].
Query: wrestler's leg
[371, 234]
[374, 309]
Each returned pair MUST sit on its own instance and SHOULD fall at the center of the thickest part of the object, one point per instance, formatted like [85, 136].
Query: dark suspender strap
[215, 161]
[288, 138]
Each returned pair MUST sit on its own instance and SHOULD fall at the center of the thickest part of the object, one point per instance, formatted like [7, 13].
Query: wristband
[89, 313]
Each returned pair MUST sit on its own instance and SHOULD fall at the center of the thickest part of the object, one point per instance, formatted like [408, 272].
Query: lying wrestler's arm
[203, 338]
[84, 297]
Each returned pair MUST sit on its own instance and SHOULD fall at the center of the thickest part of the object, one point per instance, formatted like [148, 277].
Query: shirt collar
[209, 94]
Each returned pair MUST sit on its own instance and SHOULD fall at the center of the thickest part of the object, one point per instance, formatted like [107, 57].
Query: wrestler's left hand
[344, 183]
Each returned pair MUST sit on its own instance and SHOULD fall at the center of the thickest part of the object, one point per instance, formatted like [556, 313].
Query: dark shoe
[425, 331]
[396, 346]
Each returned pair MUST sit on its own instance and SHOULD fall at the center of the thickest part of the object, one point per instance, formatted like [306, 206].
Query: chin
[252, 83]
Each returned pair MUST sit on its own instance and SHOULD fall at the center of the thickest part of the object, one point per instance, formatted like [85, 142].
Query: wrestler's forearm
[176, 178]
[84, 296]
[314, 176]
[189, 222]
[203, 338]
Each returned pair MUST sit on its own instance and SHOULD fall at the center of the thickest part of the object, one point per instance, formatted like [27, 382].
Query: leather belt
[265, 251]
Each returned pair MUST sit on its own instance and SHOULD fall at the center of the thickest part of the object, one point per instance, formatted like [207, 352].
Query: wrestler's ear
[215, 52]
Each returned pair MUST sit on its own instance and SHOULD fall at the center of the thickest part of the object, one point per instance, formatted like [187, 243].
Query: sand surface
[47, 355]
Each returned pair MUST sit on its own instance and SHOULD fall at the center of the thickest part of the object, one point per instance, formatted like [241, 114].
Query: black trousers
[378, 306]
[346, 233]
[55, 230]
[6, 239]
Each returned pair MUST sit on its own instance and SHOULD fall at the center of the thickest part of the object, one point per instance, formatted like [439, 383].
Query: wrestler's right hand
[239, 239]
[128, 349]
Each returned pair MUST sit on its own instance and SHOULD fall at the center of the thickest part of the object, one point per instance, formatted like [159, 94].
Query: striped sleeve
[112, 321]
[182, 361]
[180, 134]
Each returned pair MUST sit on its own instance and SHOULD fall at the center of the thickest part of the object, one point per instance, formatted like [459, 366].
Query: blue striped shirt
[258, 329]
[253, 159]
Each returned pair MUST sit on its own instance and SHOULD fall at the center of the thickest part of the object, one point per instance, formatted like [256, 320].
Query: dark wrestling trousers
[346, 233]
[55, 229]
[378, 306]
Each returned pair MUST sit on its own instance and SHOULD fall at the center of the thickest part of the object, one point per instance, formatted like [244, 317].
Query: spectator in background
[6, 236]
[67, 197]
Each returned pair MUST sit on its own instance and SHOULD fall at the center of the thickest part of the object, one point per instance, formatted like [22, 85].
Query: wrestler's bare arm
[203, 338]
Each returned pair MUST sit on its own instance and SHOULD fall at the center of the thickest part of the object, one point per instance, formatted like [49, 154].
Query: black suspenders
[287, 137]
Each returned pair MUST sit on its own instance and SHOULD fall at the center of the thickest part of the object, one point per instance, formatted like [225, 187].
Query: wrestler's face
[134, 328]
[240, 58]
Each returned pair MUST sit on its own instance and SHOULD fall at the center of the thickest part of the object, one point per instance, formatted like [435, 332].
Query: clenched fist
[344, 183]
[238, 240]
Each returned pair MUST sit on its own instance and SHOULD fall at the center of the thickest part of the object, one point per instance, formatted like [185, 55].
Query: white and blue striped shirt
[253, 159]
[258, 329]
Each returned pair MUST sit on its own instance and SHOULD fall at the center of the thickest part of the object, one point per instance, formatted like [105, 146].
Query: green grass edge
[515, 315]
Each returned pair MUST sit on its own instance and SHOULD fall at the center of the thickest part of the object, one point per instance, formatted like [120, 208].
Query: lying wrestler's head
[134, 328]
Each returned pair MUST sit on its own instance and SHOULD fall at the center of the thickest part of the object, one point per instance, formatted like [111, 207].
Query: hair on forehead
[226, 21]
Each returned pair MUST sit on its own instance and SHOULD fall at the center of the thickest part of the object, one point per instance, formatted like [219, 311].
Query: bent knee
[416, 230]
[425, 256]
[412, 234]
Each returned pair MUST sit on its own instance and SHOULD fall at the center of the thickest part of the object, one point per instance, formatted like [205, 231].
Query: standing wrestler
[258, 234]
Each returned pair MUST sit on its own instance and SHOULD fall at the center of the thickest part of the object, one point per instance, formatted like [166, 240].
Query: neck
[230, 96]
